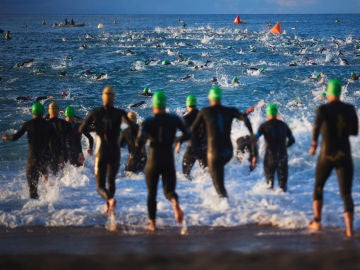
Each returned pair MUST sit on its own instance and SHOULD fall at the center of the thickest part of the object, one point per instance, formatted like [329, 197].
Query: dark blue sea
[128, 53]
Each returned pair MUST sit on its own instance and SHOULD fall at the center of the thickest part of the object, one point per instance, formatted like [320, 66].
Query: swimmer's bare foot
[152, 226]
[314, 225]
[179, 214]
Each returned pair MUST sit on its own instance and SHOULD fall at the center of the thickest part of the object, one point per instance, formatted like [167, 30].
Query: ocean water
[129, 54]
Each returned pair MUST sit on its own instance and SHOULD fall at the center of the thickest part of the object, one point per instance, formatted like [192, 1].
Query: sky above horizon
[178, 7]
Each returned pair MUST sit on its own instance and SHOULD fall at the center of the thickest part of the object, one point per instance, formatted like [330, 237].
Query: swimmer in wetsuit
[336, 121]
[75, 154]
[197, 147]
[40, 133]
[218, 120]
[275, 132]
[61, 143]
[160, 130]
[136, 159]
[107, 122]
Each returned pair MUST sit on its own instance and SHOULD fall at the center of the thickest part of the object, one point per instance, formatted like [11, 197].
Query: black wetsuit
[160, 130]
[276, 159]
[218, 120]
[40, 134]
[136, 159]
[75, 147]
[197, 148]
[106, 122]
[60, 145]
[244, 145]
[336, 121]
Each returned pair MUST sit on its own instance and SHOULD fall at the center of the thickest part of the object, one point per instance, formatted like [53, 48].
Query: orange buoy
[276, 29]
[237, 20]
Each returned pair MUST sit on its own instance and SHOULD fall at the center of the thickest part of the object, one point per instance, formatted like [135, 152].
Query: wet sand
[253, 247]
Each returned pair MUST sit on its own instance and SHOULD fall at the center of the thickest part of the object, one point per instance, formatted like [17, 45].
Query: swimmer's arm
[316, 131]
[243, 117]
[355, 124]
[142, 136]
[91, 141]
[84, 125]
[15, 136]
[291, 139]
[185, 131]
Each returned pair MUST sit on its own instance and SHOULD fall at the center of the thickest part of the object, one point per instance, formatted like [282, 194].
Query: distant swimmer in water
[188, 76]
[83, 46]
[28, 98]
[278, 137]
[254, 71]
[235, 81]
[138, 104]
[166, 62]
[146, 92]
[354, 76]
[27, 63]
[293, 64]
[7, 35]
[335, 121]
[343, 62]
[23, 98]
[43, 98]
[214, 80]
[62, 73]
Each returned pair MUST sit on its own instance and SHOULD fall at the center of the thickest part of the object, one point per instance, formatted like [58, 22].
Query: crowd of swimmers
[53, 142]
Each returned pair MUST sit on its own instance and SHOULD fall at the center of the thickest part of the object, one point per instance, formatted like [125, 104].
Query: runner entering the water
[218, 120]
[160, 130]
[107, 121]
[336, 121]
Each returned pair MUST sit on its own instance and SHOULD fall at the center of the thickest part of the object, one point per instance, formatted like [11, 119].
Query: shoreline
[251, 246]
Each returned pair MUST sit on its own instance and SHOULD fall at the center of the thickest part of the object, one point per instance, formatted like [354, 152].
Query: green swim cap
[352, 73]
[235, 79]
[191, 101]
[165, 62]
[159, 99]
[334, 87]
[146, 90]
[272, 109]
[69, 111]
[215, 93]
[37, 108]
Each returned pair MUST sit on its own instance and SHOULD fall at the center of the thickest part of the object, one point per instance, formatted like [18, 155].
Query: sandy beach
[253, 247]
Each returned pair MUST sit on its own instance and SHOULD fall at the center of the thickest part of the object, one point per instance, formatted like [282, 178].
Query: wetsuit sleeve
[18, 134]
[291, 139]
[260, 131]
[142, 136]
[355, 122]
[122, 140]
[90, 138]
[85, 125]
[317, 124]
[243, 117]
[197, 122]
[185, 131]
